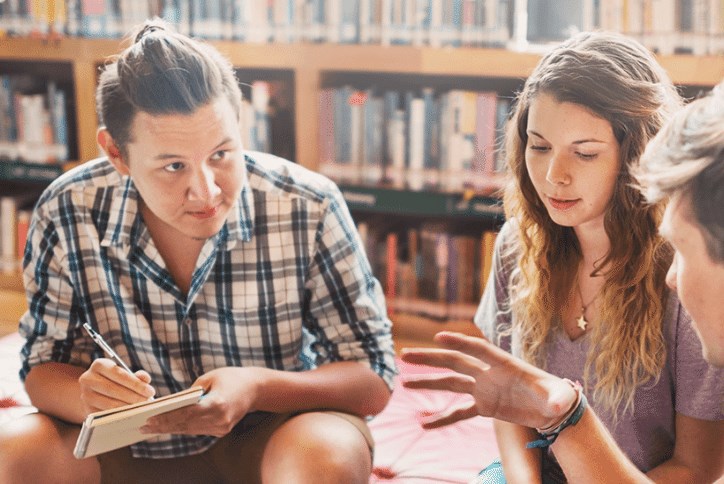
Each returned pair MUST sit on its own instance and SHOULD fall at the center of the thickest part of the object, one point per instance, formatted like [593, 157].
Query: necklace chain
[581, 320]
[580, 294]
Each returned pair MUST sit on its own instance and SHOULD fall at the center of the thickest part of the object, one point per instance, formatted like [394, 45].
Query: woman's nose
[557, 173]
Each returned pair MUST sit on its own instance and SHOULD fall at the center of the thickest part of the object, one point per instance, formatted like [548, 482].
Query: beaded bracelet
[549, 434]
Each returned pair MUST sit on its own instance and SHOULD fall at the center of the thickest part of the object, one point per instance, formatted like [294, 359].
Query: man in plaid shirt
[200, 264]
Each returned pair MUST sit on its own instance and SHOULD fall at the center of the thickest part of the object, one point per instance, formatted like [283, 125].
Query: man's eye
[219, 155]
[173, 167]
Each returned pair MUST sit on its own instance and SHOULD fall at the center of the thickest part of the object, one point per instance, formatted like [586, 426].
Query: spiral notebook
[118, 427]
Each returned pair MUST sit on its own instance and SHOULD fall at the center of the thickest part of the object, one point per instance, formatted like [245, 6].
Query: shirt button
[187, 321]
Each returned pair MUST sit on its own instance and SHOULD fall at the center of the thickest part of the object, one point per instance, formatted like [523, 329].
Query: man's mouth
[207, 212]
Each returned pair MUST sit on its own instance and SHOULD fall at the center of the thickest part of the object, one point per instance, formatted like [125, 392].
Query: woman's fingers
[451, 416]
[454, 382]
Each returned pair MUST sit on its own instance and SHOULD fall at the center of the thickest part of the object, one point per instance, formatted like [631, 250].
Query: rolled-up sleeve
[51, 323]
[347, 315]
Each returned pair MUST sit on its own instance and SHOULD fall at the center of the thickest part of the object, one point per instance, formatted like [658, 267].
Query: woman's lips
[563, 204]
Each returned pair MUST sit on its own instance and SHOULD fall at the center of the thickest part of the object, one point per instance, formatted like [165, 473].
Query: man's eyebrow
[168, 156]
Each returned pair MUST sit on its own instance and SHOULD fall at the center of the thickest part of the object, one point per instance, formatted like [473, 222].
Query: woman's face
[573, 160]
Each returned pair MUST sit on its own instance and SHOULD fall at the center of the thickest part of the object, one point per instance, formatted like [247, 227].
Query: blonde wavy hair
[619, 80]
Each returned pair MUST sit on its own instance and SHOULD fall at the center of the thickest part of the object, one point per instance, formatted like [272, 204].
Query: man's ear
[112, 150]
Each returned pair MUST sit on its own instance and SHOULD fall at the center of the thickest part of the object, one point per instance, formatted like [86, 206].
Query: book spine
[488, 252]
[8, 235]
[327, 161]
[357, 103]
[416, 145]
[391, 270]
[260, 97]
[22, 226]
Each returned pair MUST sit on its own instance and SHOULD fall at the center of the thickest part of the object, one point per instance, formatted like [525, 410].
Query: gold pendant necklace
[581, 320]
[582, 323]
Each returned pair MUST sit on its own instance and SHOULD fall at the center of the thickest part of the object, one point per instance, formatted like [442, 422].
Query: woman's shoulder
[507, 238]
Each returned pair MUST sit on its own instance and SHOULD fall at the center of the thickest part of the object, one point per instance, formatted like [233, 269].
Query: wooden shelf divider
[309, 63]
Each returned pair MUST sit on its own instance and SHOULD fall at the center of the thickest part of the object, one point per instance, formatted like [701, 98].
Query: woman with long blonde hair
[578, 287]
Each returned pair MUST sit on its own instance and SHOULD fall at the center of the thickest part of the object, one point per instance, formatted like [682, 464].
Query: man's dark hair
[162, 72]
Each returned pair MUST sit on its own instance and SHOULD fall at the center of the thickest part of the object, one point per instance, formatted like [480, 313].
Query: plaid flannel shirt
[285, 285]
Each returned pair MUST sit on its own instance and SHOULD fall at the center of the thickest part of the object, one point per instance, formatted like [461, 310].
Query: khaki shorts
[221, 463]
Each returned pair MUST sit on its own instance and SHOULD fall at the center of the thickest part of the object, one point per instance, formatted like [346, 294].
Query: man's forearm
[345, 386]
[587, 453]
[54, 389]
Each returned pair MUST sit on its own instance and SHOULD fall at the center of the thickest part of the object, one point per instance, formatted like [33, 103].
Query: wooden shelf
[416, 331]
[11, 281]
[29, 172]
[474, 62]
[12, 301]
[422, 203]
[309, 62]
[310, 65]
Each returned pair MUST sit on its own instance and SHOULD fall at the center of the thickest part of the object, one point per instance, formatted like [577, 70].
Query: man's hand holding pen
[109, 383]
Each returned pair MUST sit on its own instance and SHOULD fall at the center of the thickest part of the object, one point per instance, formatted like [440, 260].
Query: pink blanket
[14, 401]
[404, 453]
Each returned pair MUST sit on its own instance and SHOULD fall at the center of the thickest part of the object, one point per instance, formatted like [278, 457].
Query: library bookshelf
[310, 67]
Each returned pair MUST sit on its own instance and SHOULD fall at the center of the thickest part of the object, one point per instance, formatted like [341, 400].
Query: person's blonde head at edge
[615, 80]
[684, 164]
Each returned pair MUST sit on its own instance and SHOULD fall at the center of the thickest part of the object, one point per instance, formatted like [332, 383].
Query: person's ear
[113, 152]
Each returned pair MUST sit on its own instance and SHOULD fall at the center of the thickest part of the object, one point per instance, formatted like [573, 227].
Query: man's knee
[38, 448]
[317, 447]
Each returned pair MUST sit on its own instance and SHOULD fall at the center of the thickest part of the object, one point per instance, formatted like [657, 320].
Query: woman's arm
[507, 388]
[587, 452]
[519, 464]
[698, 452]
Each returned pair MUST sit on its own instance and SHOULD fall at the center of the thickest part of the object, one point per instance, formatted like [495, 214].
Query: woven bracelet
[547, 437]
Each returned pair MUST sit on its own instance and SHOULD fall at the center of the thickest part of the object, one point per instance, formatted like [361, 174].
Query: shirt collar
[240, 223]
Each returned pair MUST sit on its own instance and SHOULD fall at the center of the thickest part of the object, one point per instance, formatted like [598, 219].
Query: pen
[109, 351]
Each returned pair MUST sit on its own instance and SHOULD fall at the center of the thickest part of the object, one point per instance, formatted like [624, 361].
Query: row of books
[428, 270]
[255, 117]
[33, 120]
[415, 140]
[664, 26]
[667, 26]
[15, 212]
[420, 22]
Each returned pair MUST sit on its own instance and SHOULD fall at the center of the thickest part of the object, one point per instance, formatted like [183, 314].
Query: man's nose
[202, 186]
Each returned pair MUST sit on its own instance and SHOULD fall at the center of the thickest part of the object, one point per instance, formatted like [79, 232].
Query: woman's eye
[173, 167]
[539, 148]
[587, 156]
